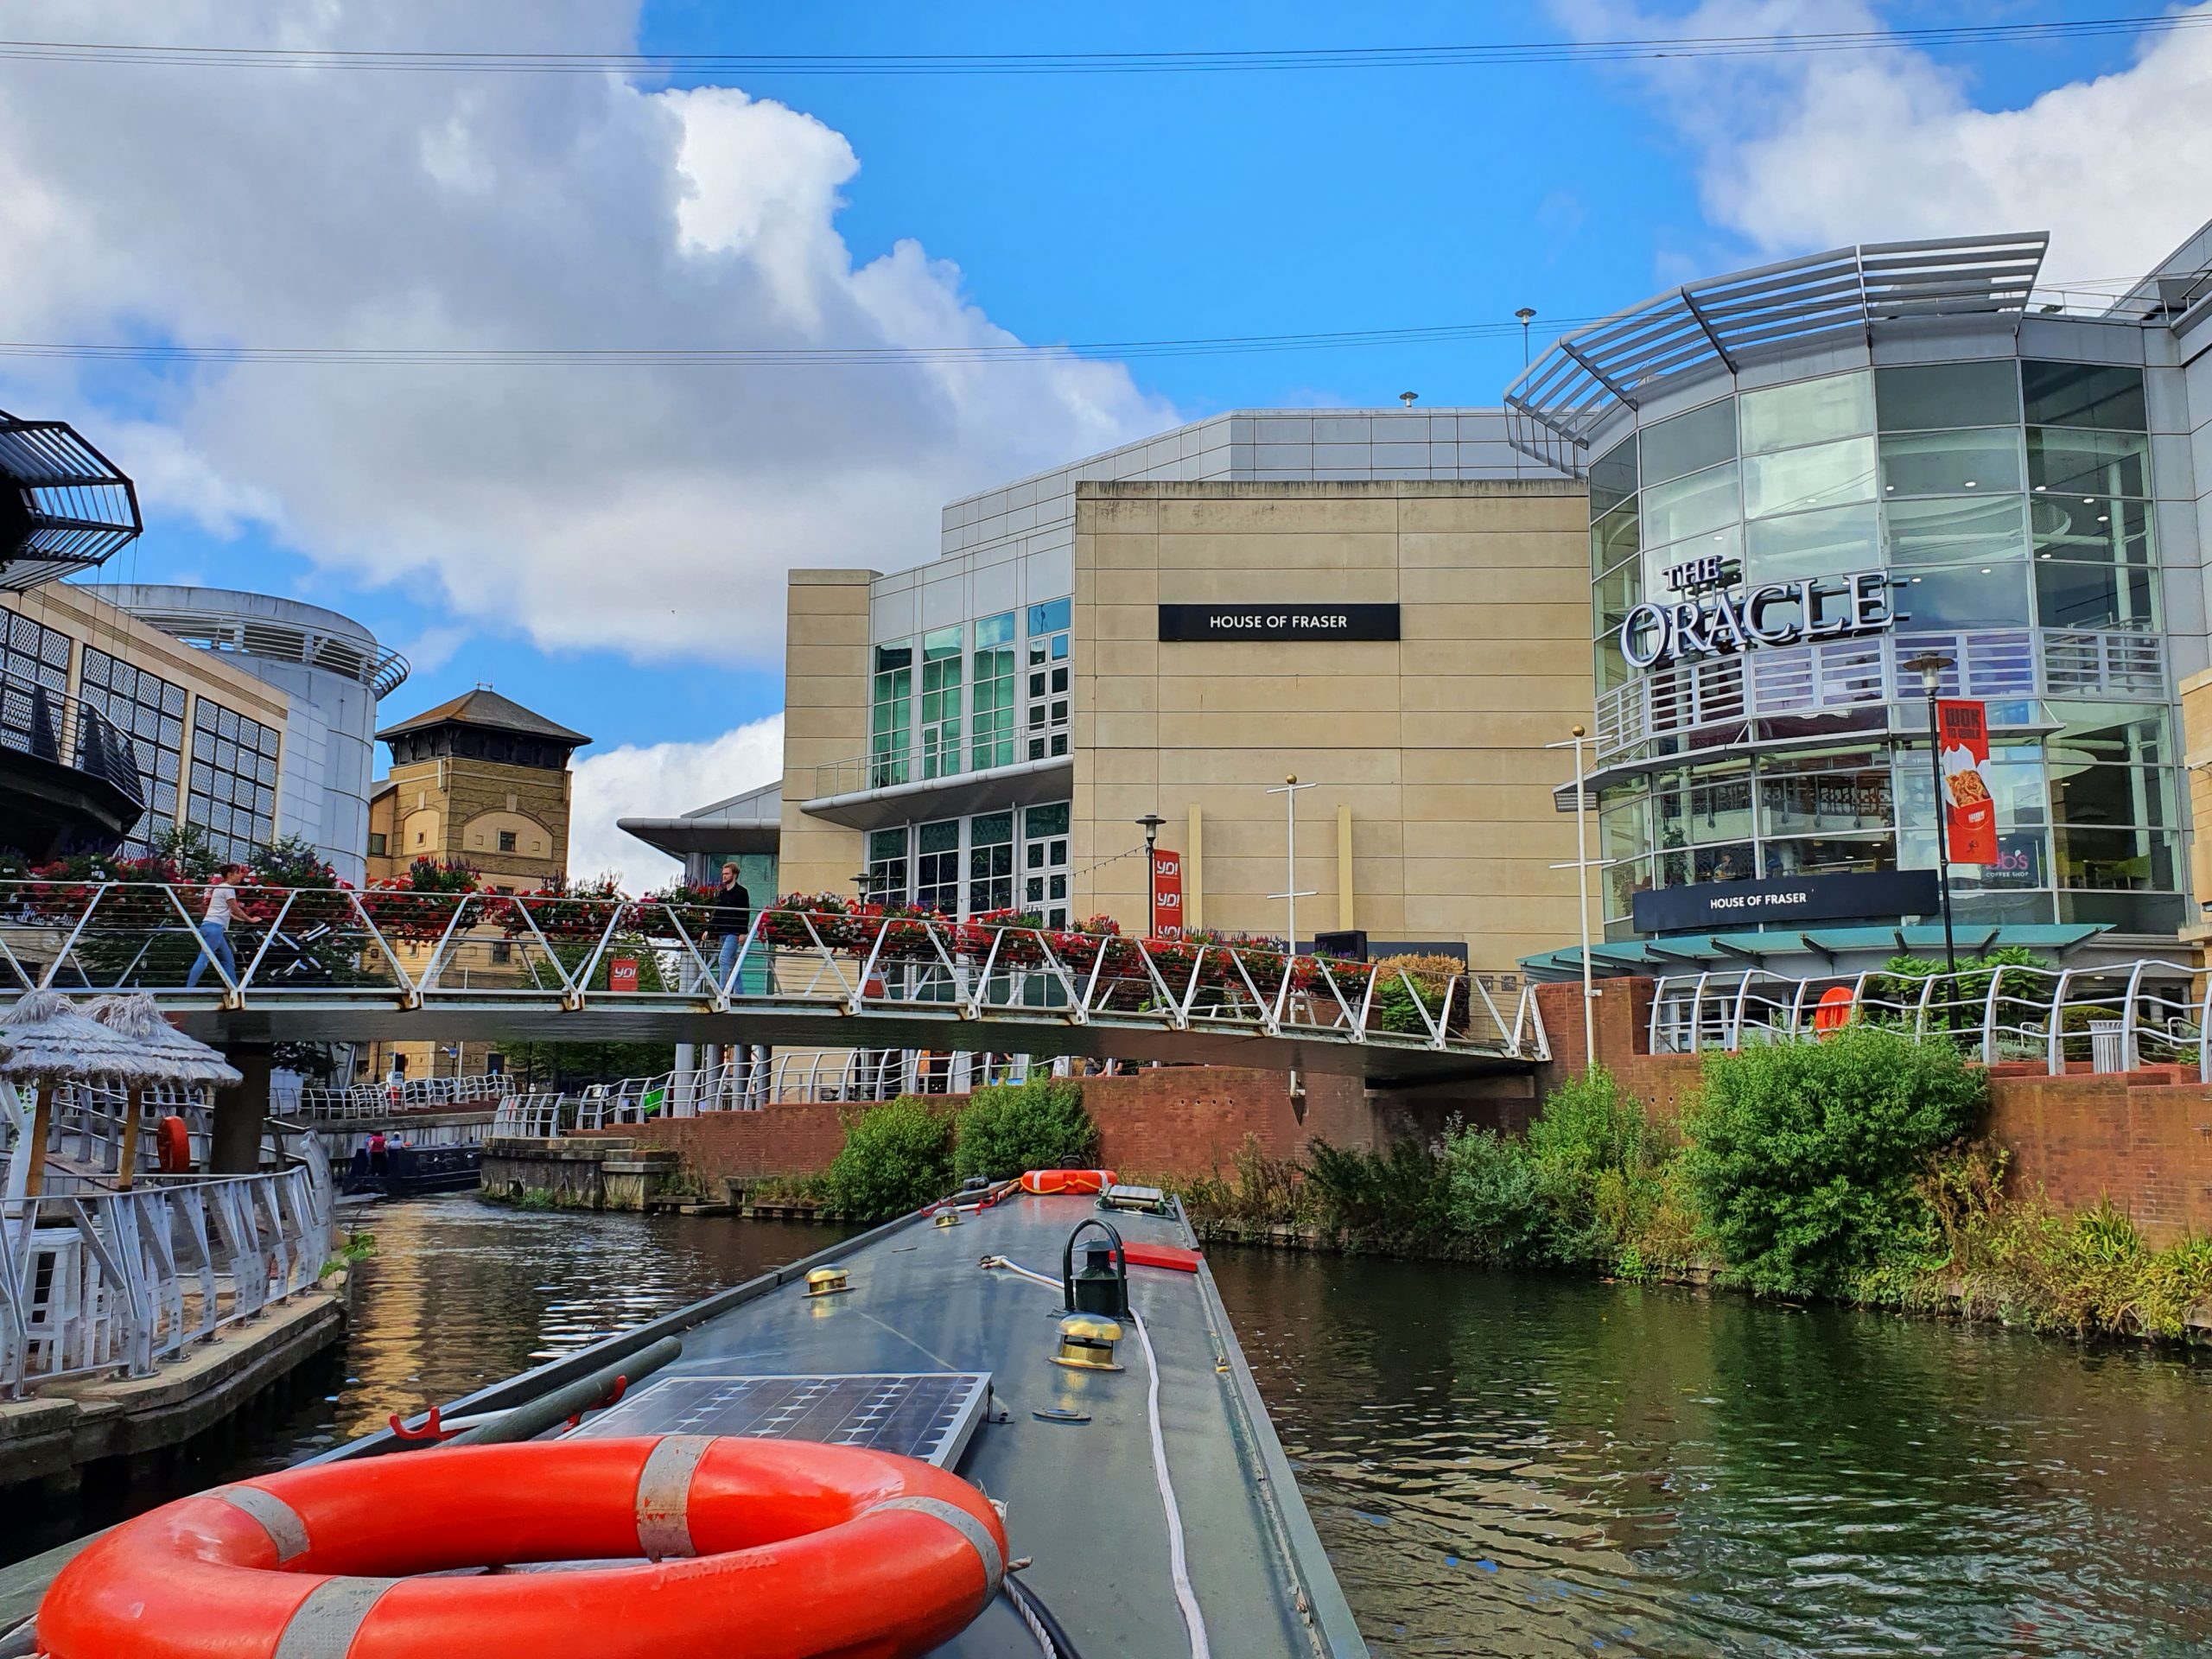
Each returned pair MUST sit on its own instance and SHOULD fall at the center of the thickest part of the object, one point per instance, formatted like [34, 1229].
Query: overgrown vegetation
[1806, 1158]
[897, 1157]
[1039, 1125]
[1841, 1168]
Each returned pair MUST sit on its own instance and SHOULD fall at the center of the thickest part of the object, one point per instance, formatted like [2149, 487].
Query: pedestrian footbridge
[334, 964]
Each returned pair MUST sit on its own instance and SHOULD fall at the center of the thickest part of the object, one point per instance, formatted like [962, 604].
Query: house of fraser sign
[1711, 613]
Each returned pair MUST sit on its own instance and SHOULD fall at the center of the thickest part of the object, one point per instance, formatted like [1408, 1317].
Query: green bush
[897, 1157]
[1592, 1154]
[1806, 1158]
[1497, 1202]
[1389, 1200]
[1039, 1125]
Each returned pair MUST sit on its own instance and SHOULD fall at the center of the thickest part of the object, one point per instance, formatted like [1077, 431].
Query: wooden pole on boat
[42, 1123]
[134, 1103]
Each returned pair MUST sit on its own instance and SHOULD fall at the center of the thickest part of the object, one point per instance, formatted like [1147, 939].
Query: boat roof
[1082, 1498]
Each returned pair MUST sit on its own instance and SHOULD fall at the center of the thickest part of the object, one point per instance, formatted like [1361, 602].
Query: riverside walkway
[319, 965]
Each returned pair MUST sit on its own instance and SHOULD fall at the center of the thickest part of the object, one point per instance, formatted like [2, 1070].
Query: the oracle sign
[1772, 614]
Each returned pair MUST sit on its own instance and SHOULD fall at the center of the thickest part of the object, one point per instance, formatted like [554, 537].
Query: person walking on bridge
[732, 919]
[215, 927]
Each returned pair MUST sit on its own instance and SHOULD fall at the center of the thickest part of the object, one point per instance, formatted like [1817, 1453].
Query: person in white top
[215, 926]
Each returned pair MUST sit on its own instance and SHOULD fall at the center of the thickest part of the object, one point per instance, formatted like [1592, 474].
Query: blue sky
[538, 512]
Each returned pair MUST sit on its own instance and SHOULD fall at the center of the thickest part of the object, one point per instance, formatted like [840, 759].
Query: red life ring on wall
[1067, 1180]
[173, 1145]
[757, 1547]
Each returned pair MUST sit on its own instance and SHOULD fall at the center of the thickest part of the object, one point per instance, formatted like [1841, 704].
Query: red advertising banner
[1167, 895]
[1969, 812]
[622, 973]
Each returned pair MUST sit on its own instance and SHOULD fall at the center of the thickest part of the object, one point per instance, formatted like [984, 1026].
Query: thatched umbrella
[182, 1059]
[45, 1042]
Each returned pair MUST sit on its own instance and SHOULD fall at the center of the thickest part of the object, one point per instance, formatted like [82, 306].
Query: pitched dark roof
[487, 707]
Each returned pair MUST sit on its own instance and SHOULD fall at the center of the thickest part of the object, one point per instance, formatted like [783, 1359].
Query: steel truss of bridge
[334, 964]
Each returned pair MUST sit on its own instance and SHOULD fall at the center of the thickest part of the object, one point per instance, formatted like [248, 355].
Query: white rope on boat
[1185, 1598]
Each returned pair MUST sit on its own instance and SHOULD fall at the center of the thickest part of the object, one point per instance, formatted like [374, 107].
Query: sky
[606, 543]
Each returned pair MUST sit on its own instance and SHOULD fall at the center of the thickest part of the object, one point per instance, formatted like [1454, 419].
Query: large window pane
[1830, 543]
[2131, 734]
[2093, 528]
[1706, 808]
[1827, 855]
[1689, 443]
[1612, 477]
[1689, 507]
[1956, 530]
[2095, 596]
[1621, 591]
[1612, 538]
[1821, 475]
[1948, 394]
[2128, 913]
[2088, 463]
[1965, 596]
[2093, 795]
[1799, 795]
[2129, 860]
[1608, 665]
[1952, 463]
[1811, 411]
[2084, 394]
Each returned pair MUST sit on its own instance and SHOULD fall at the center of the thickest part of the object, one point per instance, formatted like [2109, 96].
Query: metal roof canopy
[63, 505]
[1755, 948]
[1727, 320]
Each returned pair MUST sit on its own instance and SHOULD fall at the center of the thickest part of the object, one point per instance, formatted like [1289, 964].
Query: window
[2101, 596]
[2088, 463]
[1613, 538]
[1690, 506]
[1045, 725]
[990, 862]
[151, 710]
[33, 679]
[1045, 862]
[937, 867]
[1808, 411]
[891, 709]
[376, 843]
[2095, 528]
[1612, 478]
[1965, 596]
[1957, 530]
[1810, 794]
[2084, 394]
[991, 727]
[506, 841]
[1620, 592]
[232, 794]
[1812, 545]
[1818, 475]
[1689, 443]
[1982, 461]
[1938, 395]
[941, 701]
[887, 866]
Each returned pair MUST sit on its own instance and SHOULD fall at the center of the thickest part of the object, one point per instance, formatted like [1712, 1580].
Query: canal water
[1505, 1464]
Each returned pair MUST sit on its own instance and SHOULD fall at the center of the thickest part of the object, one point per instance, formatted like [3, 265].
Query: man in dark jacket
[732, 919]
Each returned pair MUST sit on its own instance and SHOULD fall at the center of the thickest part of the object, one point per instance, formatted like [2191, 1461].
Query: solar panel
[925, 1414]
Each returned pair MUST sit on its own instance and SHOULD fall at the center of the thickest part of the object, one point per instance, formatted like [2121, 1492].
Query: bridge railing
[96, 1278]
[2110, 1018]
[338, 1103]
[478, 949]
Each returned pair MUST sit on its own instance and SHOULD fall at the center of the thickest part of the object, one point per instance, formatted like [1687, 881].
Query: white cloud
[661, 781]
[650, 509]
[1825, 149]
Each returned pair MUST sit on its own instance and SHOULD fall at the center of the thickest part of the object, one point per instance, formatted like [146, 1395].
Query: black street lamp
[859, 886]
[1150, 824]
[1929, 665]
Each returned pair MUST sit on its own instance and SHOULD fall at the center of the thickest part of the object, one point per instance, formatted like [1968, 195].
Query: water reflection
[1519, 1464]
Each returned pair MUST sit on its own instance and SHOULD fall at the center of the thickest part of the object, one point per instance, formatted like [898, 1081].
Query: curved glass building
[1805, 477]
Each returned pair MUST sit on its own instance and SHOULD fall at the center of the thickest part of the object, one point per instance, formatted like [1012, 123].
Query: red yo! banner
[1969, 813]
[1168, 896]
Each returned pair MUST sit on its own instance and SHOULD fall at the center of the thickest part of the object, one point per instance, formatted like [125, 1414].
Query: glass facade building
[2016, 481]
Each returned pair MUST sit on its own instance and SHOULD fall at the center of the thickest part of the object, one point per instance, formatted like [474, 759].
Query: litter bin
[2106, 1052]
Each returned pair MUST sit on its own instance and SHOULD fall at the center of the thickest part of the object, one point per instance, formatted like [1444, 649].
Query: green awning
[1815, 950]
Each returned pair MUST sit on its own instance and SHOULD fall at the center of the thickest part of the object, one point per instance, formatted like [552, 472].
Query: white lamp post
[1291, 892]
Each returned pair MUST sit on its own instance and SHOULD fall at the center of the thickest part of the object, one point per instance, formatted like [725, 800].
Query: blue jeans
[732, 943]
[217, 938]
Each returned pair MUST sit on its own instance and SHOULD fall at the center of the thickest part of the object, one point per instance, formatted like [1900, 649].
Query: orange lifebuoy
[1832, 1012]
[173, 1145]
[757, 1547]
[1067, 1180]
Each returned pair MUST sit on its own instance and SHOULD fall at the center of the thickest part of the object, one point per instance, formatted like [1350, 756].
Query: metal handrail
[2116, 1018]
[53, 726]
